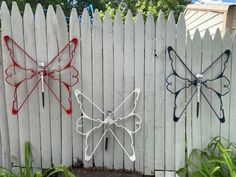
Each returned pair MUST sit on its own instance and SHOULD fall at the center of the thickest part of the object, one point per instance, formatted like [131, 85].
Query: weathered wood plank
[33, 102]
[12, 120]
[206, 113]
[149, 95]
[5, 150]
[55, 116]
[97, 85]
[118, 86]
[160, 93]
[108, 74]
[128, 80]
[189, 92]
[77, 138]
[139, 83]
[217, 50]
[196, 68]
[86, 70]
[226, 45]
[180, 125]
[41, 53]
[169, 123]
[232, 136]
[62, 36]
[17, 35]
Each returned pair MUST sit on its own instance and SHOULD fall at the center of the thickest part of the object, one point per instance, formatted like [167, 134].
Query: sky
[225, 1]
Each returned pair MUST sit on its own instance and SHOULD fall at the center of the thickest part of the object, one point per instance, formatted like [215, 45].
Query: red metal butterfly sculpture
[41, 72]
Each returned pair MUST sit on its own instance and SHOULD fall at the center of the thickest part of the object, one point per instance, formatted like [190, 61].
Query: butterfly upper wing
[218, 85]
[183, 83]
[130, 119]
[61, 65]
[17, 75]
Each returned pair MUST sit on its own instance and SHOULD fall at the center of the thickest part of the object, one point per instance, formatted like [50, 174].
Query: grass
[217, 160]
[28, 171]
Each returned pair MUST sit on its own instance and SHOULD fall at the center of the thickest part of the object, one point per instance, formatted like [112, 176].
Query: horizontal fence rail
[113, 58]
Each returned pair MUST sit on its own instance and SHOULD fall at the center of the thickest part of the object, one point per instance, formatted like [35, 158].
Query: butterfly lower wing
[128, 146]
[216, 89]
[179, 90]
[89, 126]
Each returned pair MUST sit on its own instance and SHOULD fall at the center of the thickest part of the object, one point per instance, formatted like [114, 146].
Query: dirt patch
[81, 172]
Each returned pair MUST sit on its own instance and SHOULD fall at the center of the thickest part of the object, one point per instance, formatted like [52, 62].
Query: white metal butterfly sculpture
[108, 123]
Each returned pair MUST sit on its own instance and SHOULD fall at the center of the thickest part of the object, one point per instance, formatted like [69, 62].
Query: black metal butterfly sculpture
[200, 85]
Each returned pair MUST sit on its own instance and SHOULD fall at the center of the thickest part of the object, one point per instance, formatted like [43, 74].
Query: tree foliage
[144, 6]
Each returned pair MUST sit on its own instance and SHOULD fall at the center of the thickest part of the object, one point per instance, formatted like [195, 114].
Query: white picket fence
[113, 58]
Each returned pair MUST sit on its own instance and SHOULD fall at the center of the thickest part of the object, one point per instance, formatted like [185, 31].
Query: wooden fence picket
[227, 44]
[118, 86]
[169, 100]
[62, 37]
[128, 82]
[160, 89]
[217, 50]
[108, 88]
[180, 125]
[149, 96]
[33, 102]
[97, 46]
[139, 83]
[55, 115]
[77, 138]
[206, 111]
[12, 120]
[42, 56]
[86, 71]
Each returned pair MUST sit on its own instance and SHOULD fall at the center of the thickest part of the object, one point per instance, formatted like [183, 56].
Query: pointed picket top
[96, 18]
[129, 18]
[160, 18]
[197, 35]
[217, 36]
[74, 24]
[5, 18]
[181, 22]
[107, 19]
[15, 15]
[227, 36]
[171, 19]
[118, 20]
[61, 19]
[39, 14]
[189, 36]
[51, 16]
[207, 37]
[150, 20]
[85, 17]
[28, 13]
[4, 9]
[139, 19]
[15, 10]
